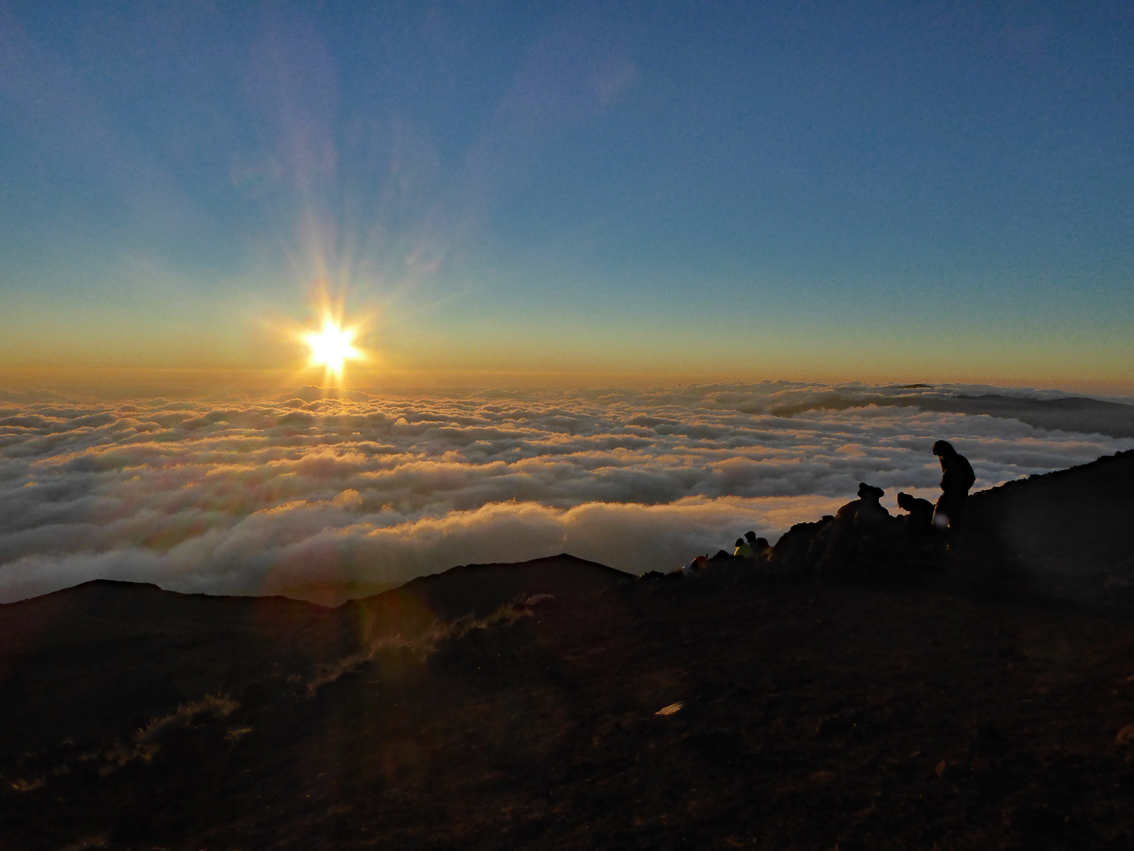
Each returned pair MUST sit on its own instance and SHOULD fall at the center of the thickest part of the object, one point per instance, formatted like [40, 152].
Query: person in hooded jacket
[956, 478]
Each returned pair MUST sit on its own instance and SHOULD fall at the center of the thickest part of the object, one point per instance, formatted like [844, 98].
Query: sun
[332, 347]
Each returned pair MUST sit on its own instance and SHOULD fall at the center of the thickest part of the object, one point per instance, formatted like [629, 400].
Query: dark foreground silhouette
[983, 699]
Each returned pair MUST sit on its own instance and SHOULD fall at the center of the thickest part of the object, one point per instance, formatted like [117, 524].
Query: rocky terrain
[980, 698]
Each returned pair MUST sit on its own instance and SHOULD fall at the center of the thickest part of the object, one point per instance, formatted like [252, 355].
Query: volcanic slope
[802, 715]
[1067, 534]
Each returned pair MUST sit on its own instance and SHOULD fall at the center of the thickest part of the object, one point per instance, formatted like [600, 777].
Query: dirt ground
[812, 717]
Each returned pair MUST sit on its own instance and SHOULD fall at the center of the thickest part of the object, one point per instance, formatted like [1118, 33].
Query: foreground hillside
[897, 714]
[812, 716]
[1066, 534]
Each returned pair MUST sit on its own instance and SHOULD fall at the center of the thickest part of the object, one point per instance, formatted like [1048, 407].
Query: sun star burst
[332, 347]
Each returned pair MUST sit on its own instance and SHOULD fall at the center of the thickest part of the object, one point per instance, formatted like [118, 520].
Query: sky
[567, 193]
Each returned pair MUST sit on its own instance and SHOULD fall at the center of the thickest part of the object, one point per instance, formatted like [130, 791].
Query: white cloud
[261, 496]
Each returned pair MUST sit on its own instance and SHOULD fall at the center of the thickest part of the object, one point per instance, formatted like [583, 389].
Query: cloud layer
[243, 496]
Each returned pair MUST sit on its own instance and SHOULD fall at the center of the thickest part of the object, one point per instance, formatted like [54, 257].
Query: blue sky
[937, 191]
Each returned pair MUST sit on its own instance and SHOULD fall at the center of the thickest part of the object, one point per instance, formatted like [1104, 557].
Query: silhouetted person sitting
[694, 567]
[860, 528]
[920, 537]
[920, 517]
[742, 549]
[866, 512]
[760, 546]
[956, 479]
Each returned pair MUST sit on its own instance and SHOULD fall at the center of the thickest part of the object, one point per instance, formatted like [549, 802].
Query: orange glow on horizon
[188, 382]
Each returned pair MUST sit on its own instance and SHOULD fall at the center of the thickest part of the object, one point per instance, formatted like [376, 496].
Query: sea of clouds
[299, 494]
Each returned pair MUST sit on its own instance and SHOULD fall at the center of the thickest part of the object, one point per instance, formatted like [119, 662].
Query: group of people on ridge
[863, 530]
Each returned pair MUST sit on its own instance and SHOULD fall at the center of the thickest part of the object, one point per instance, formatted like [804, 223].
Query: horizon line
[142, 381]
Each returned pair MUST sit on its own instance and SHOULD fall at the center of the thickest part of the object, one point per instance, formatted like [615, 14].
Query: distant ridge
[1076, 413]
[467, 589]
[477, 590]
[480, 589]
[1073, 413]
[143, 604]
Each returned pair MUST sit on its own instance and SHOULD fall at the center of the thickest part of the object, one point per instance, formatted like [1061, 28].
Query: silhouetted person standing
[956, 479]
